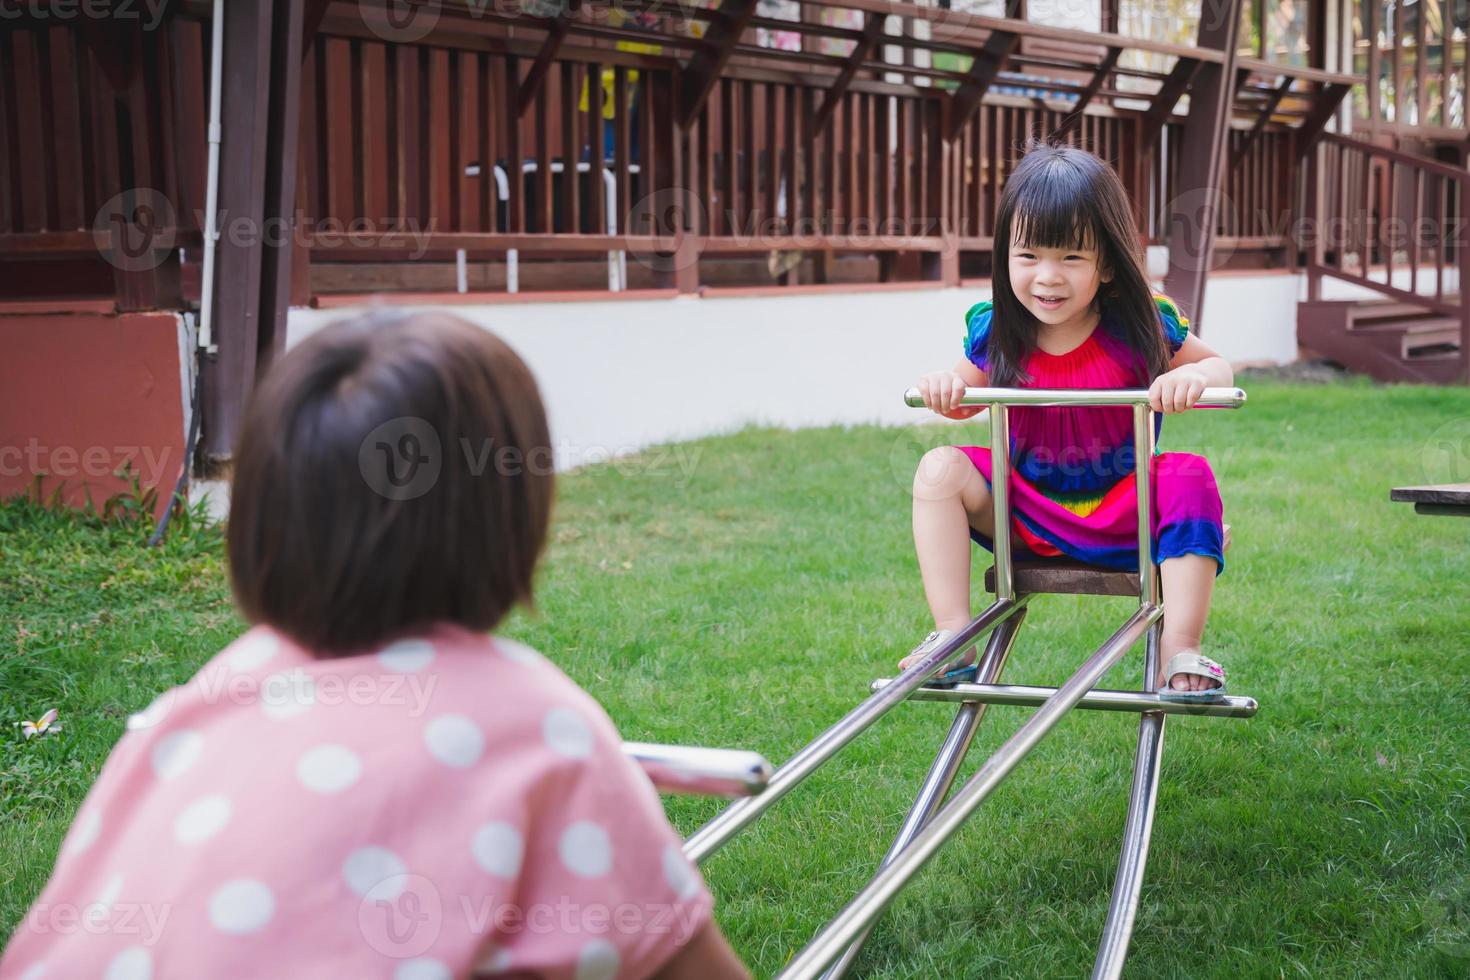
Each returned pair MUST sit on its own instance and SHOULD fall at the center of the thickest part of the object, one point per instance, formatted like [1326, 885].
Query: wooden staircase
[1394, 225]
[1386, 339]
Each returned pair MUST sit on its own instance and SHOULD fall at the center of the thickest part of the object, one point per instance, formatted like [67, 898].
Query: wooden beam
[862, 50]
[556, 33]
[989, 62]
[1192, 212]
[1075, 116]
[281, 172]
[311, 22]
[709, 60]
[1307, 133]
[1283, 85]
[1162, 107]
[257, 184]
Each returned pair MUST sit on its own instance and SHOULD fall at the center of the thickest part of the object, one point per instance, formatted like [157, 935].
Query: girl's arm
[942, 390]
[1194, 368]
[705, 957]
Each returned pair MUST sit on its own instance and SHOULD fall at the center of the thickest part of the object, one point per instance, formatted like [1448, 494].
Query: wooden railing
[1374, 215]
[421, 151]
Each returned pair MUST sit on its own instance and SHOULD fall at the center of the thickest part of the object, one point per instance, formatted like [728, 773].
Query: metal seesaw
[930, 822]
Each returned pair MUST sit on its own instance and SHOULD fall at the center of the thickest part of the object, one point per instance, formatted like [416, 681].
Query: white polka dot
[202, 819]
[406, 656]
[498, 849]
[34, 972]
[679, 873]
[586, 850]
[375, 873]
[175, 753]
[422, 969]
[101, 908]
[567, 733]
[241, 906]
[329, 769]
[84, 832]
[454, 740]
[495, 961]
[253, 651]
[287, 694]
[518, 652]
[154, 713]
[133, 963]
[597, 961]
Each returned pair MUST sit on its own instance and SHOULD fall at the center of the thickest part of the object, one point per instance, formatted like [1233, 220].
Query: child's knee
[946, 472]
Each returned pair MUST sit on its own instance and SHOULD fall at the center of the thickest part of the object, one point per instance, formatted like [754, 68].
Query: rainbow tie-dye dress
[1072, 468]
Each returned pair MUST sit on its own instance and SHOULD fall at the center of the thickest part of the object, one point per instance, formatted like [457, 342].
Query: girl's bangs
[1054, 213]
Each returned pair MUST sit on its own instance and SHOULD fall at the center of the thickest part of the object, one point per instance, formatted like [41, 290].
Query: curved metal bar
[1212, 397]
[860, 913]
[703, 772]
[944, 768]
[734, 818]
[1138, 827]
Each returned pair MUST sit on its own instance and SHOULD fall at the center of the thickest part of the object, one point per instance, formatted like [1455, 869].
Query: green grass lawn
[750, 603]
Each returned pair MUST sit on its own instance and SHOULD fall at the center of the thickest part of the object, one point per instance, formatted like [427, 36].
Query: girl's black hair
[1063, 197]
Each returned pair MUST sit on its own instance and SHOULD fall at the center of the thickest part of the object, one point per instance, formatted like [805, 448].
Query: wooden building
[509, 149]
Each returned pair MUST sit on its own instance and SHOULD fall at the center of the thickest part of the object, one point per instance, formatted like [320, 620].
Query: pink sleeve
[605, 889]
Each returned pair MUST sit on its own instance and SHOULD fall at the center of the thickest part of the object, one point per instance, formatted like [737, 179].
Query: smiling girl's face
[1056, 284]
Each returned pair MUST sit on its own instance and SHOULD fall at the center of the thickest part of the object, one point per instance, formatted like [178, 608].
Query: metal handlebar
[1212, 397]
[702, 772]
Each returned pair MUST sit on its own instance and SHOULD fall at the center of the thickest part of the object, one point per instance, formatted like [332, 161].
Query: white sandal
[955, 673]
[1192, 662]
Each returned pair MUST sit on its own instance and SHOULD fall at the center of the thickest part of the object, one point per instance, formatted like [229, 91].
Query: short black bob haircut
[394, 472]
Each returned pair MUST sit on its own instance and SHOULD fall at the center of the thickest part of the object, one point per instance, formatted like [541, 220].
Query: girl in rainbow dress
[1072, 308]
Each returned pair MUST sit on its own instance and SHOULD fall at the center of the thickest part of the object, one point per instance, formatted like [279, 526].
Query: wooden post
[1192, 214]
[257, 183]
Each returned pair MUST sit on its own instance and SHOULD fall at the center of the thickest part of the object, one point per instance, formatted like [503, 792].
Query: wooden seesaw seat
[1067, 577]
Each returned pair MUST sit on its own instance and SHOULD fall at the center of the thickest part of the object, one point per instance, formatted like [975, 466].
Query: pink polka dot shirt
[448, 806]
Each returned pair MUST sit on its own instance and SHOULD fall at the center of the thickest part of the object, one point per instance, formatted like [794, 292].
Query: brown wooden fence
[410, 153]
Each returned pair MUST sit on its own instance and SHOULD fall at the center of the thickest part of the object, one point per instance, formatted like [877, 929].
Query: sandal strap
[1190, 662]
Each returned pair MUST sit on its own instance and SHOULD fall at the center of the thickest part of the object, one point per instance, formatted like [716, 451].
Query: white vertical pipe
[211, 205]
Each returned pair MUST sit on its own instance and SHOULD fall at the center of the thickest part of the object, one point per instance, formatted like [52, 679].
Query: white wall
[624, 374]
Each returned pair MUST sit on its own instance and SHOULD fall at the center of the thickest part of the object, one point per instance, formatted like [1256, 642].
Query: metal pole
[1212, 397]
[859, 914]
[706, 772]
[944, 768]
[1137, 829]
[1143, 795]
[713, 835]
[1000, 497]
[1143, 459]
[211, 181]
[1026, 696]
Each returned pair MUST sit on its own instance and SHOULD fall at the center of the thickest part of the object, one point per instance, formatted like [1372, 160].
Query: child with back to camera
[1072, 308]
[367, 783]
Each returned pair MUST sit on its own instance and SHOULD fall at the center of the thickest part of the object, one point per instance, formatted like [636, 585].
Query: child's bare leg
[950, 497]
[1188, 582]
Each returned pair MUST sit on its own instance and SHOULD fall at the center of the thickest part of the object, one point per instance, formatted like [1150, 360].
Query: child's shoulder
[1170, 310]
